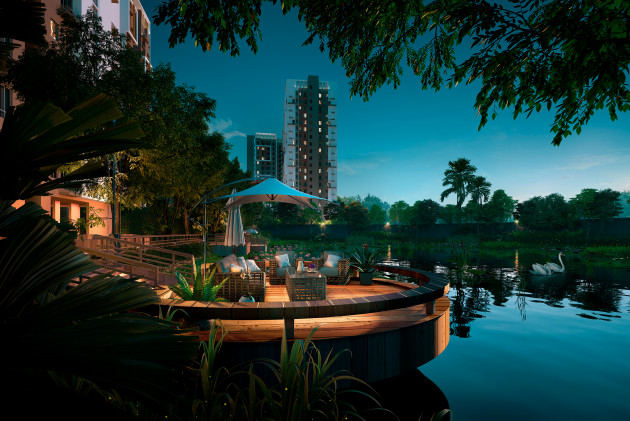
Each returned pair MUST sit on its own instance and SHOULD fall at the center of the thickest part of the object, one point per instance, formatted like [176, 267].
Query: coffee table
[305, 286]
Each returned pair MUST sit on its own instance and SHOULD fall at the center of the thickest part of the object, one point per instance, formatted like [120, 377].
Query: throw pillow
[332, 261]
[253, 267]
[283, 260]
[235, 268]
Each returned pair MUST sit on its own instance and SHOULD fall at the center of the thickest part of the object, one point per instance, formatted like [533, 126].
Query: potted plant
[364, 260]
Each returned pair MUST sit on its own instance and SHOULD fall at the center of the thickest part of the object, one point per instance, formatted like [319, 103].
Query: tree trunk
[186, 221]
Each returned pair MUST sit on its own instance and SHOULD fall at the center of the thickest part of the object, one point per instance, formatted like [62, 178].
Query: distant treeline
[614, 228]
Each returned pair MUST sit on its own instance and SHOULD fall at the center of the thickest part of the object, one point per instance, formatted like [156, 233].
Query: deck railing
[430, 287]
[160, 263]
[163, 240]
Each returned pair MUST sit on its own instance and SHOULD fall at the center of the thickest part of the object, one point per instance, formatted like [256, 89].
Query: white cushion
[332, 261]
[242, 263]
[252, 266]
[224, 264]
[283, 260]
[235, 268]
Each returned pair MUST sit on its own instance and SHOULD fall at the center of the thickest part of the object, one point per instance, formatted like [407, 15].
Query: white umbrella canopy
[234, 234]
[270, 190]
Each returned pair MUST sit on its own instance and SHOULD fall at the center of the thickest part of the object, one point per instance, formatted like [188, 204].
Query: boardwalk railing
[179, 239]
[154, 263]
[163, 240]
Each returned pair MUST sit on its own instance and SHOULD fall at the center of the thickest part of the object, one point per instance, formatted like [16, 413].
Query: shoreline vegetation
[594, 251]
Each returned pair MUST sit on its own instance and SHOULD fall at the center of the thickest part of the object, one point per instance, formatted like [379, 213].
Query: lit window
[320, 170]
[54, 29]
[320, 129]
[320, 95]
[5, 100]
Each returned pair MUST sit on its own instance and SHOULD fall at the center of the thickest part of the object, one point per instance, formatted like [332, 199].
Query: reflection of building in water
[516, 260]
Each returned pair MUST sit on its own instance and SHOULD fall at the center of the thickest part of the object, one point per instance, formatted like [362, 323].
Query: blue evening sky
[398, 144]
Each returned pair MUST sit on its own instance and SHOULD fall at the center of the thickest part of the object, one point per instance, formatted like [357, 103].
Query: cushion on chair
[223, 265]
[252, 266]
[281, 272]
[242, 262]
[235, 268]
[289, 253]
[328, 253]
[332, 261]
[283, 261]
[327, 271]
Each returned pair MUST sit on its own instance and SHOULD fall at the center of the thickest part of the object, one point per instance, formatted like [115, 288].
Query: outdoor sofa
[232, 268]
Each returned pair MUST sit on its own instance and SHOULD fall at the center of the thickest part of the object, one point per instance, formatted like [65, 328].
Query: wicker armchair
[334, 276]
[275, 274]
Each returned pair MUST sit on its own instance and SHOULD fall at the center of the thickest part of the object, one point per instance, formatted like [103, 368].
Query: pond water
[527, 347]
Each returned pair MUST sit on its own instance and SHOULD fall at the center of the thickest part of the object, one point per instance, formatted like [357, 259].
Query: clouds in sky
[586, 161]
[221, 126]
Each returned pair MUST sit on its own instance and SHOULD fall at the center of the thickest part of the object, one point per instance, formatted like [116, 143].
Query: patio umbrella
[234, 234]
[270, 190]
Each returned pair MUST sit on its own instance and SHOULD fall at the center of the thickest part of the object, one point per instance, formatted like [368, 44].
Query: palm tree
[458, 176]
[479, 189]
[55, 337]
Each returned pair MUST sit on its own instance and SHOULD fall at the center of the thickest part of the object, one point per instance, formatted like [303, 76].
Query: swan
[538, 269]
[554, 267]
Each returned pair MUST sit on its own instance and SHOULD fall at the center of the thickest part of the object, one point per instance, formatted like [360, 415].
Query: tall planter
[365, 278]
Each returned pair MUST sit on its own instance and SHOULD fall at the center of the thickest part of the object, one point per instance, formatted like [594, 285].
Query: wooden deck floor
[333, 327]
[352, 289]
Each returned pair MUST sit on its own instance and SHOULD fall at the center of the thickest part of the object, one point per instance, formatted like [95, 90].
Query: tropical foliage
[457, 177]
[184, 160]
[202, 290]
[525, 55]
[364, 259]
[302, 385]
[55, 331]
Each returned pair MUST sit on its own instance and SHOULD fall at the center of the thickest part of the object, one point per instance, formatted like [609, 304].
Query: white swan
[538, 269]
[554, 267]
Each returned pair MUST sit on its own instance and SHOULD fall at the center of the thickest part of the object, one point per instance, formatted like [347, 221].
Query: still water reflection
[527, 347]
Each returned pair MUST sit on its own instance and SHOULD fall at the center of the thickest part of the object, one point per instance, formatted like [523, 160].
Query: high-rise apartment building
[264, 155]
[310, 137]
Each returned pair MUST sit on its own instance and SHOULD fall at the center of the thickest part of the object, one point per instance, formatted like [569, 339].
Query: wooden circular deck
[382, 342]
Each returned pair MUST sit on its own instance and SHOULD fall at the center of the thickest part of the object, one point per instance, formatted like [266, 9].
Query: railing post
[289, 327]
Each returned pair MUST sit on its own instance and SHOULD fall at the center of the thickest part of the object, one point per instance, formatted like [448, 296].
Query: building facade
[264, 155]
[310, 137]
[128, 18]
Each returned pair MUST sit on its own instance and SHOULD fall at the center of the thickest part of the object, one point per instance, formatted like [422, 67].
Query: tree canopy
[183, 160]
[457, 178]
[571, 56]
